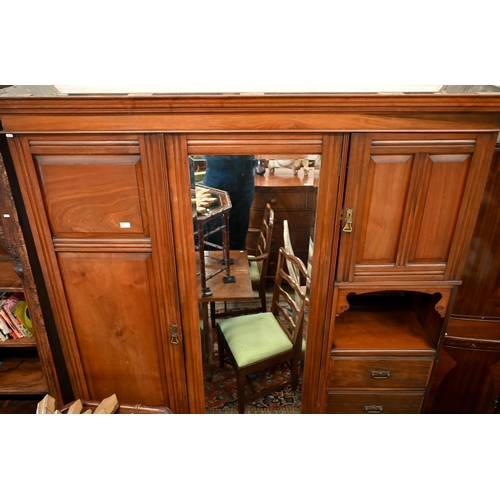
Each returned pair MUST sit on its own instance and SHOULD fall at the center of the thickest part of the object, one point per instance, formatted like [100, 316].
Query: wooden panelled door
[101, 213]
[410, 204]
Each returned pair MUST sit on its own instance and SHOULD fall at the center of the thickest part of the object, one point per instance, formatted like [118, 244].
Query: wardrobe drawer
[281, 200]
[370, 402]
[297, 221]
[299, 239]
[379, 372]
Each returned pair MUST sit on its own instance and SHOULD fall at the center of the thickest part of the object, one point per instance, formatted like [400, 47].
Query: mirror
[289, 184]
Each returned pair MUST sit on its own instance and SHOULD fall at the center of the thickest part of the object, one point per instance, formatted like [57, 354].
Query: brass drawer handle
[274, 201]
[379, 374]
[373, 409]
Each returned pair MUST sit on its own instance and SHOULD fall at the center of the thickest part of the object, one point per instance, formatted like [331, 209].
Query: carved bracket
[441, 306]
[342, 303]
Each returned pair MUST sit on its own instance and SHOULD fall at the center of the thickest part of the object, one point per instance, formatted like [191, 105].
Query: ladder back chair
[258, 257]
[256, 342]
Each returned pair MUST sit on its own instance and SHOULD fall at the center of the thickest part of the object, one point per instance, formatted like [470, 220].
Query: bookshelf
[27, 368]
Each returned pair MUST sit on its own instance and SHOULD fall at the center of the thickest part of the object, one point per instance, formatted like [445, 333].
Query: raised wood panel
[114, 314]
[442, 197]
[98, 194]
[387, 189]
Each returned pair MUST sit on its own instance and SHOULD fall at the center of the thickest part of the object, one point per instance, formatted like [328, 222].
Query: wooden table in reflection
[240, 290]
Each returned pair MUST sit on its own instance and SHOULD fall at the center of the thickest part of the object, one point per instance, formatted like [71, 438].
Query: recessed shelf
[15, 343]
[21, 375]
[381, 322]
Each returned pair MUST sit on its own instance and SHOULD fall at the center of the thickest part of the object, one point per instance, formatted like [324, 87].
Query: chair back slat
[265, 237]
[288, 307]
[264, 240]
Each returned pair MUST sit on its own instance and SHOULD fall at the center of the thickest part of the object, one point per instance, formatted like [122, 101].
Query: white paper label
[124, 225]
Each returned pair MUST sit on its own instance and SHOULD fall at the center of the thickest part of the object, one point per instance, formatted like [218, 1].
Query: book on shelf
[7, 326]
[5, 330]
[14, 316]
[22, 314]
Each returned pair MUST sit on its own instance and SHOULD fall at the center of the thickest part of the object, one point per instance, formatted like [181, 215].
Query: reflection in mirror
[287, 185]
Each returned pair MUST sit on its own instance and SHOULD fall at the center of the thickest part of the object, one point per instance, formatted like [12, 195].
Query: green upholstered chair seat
[254, 271]
[199, 176]
[254, 337]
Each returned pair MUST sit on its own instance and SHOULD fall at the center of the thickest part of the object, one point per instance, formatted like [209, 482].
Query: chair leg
[262, 293]
[220, 347]
[241, 392]
[295, 372]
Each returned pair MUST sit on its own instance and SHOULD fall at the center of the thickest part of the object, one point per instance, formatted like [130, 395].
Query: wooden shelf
[21, 375]
[15, 343]
[381, 327]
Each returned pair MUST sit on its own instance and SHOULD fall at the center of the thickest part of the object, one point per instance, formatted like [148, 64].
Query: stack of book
[14, 317]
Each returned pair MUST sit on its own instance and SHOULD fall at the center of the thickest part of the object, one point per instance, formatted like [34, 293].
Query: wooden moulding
[231, 113]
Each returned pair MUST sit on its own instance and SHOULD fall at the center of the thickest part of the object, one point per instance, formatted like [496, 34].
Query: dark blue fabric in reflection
[235, 175]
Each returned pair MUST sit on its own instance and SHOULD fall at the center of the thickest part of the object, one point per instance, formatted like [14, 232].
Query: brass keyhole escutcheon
[348, 220]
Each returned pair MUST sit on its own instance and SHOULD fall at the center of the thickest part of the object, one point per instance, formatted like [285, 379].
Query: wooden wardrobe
[105, 186]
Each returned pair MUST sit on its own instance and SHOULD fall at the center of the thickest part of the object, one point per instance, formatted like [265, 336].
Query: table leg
[208, 355]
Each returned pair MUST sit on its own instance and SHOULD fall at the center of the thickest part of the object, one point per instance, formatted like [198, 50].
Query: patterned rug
[221, 394]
